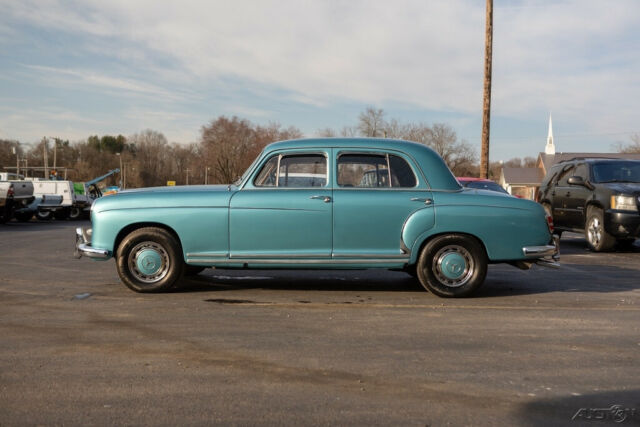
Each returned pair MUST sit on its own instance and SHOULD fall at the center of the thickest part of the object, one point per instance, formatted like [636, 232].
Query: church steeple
[551, 147]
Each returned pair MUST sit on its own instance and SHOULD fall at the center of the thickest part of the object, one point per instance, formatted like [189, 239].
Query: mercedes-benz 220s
[322, 204]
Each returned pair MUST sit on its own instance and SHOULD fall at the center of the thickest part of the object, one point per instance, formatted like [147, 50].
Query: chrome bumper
[83, 247]
[547, 255]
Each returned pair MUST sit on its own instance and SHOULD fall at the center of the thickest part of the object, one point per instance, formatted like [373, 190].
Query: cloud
[575, 57]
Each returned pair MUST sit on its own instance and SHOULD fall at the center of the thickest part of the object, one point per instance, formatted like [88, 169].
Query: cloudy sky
[71, 69]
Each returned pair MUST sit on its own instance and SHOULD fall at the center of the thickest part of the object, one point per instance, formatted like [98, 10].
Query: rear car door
[375, 192]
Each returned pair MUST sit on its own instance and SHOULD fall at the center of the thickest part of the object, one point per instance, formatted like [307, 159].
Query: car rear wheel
[150, 260]
[452, 265]
[75, 213]
[597, 237]
[43, 215]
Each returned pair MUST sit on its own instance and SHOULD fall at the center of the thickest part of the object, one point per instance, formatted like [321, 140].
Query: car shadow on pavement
[578, 245]
[502, 280]
[602, 408]
[312, 280]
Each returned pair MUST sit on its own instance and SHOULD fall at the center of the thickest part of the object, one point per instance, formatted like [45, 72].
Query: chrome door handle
[419, 199]
[325, 199]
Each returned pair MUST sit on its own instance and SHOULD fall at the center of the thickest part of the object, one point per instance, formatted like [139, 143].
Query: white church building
[524, 182]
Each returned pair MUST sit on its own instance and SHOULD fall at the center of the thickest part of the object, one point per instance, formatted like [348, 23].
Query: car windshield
[484, 185]
[621, 171]
[241, 179]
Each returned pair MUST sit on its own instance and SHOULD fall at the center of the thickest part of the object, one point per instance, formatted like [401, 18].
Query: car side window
[374, 171]
[293, 171]
[582, 171]
[564, 176]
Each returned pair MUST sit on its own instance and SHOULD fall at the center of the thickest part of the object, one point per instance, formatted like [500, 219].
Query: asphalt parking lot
[536, 347]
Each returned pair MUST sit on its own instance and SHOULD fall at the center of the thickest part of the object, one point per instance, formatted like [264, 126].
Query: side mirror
[576, 180]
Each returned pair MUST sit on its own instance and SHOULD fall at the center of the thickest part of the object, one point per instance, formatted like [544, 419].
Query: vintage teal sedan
[322, 204]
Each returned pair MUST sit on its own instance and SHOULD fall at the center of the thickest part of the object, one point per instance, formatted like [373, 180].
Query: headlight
[623, 203]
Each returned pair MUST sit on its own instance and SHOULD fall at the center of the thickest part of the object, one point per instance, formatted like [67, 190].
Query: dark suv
[600, 197]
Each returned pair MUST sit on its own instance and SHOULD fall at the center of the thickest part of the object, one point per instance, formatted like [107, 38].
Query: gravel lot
[534, 347]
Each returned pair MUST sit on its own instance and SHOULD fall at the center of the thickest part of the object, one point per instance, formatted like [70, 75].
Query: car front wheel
[150, 260]
[597, 237]
[452, 265]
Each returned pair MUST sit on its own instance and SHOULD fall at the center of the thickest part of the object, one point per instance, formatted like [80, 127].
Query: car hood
[625, 187]
[167, 197]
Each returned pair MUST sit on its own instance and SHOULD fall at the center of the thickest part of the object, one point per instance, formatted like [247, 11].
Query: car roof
[440, 177]
[597, 159]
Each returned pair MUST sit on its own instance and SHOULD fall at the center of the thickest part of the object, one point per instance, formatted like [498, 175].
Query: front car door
[285, 211]
[576, 198]
[375, 192]
[560, 194]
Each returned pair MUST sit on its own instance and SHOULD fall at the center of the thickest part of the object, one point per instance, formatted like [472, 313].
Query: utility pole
[17, 153]
[55, 147]
[46, 160]
[486, 105]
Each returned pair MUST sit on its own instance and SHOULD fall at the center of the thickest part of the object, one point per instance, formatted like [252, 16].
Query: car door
[576, 198]
[561, 214]
[374, 194]
[285, 211]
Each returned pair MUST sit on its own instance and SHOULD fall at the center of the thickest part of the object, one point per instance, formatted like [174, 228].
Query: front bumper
[622, 224]
[546, 255]
[83, 246]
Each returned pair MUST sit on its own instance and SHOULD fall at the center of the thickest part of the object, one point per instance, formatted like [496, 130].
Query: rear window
[374, 171]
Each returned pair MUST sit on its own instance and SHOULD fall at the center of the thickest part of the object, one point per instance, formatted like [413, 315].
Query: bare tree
[371, 122]
[633, 147]
[225, 142]
[327, 133]
[152, 153]
[458, 155]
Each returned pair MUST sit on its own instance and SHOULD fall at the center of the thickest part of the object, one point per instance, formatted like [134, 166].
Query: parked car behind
[15, 194]
[597, 197]
[481, 184]
[418, 220]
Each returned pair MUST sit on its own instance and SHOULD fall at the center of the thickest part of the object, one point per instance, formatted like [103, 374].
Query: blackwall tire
[452, 265]
[597, 237]
[150, 260]
[43, 215]
[75, 213]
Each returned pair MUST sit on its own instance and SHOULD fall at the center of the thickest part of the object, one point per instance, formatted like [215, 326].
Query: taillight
[549, 222]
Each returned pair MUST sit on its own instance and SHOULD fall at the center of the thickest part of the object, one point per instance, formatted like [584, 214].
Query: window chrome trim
[382, 153]
[259, 168]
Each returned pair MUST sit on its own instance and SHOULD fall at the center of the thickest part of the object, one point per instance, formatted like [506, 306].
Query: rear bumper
[84, 248]
[546, 255]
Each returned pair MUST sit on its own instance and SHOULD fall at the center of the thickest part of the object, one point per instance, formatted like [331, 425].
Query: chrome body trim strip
[295, 261]
[371, 256]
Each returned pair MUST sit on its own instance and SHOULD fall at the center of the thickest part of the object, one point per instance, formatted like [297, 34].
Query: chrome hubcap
[148, 262]
[453, 266]
[594, 231]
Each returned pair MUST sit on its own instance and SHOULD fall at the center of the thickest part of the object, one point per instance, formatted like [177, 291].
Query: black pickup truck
[597, 196]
